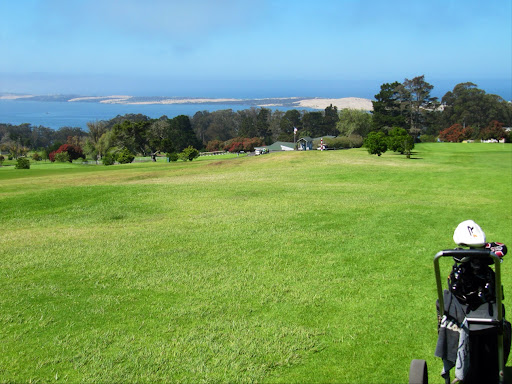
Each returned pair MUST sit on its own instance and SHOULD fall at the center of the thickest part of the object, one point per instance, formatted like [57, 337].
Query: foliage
[73, 152]
[456, 133]
[61, 157]
[108, 159]
[339, 142]
[387, 111]
[376, 143]
[417, 103]
[428, 138]
[22, 163]
[189, 153]
[173, 156]
[400, 141]
[36, 157]
[356, 141]
[354, 121]
[125, 156]
[405, 105]
[2, 159]
[215, 145]
[239, 144]
[494, 131]
[468, 105]
[330, 120]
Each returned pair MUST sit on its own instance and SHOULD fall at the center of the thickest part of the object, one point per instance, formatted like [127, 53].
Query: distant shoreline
[291, 102]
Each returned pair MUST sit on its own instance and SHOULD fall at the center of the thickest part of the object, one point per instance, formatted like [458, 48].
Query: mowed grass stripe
[292, 267]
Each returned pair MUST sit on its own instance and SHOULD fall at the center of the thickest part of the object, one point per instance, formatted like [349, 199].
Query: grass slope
[290, 267]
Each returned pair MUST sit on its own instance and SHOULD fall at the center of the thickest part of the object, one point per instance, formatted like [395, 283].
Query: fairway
[284, 268]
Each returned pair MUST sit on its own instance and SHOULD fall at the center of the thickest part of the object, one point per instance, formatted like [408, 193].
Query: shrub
[125, 156]
[213, 145]
[376, 143]
[173, 156]
[428, 138]
[494, 130]
[74, 152]
[36, 157]
[456, 133]
[189, 153]
[356, 141]
[61, 157]
[2, 159]
[108, 159]
[339, 142]
[400, 141]
[22, 163]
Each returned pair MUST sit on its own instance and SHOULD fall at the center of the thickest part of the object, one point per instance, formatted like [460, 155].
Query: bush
[61, 157]
[125, 157]
[108, 159]
[36, 157]
[23, 163]
[173, 156]
[189, 153]
[428, 138]
[2, 159]
[400, 141]
[213, 145]
[376, 143]
[356, 141]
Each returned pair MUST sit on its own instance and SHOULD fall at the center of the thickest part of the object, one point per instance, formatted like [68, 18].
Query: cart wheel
[418, 372]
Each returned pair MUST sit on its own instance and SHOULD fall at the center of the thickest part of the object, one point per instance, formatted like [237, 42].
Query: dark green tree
[400, 141]
[290, 120]
[469, 106]
[312, 124]
[376, 143]
[182, 134]
[417, 102]
[263, 125]
[387, 109]
[330, 119]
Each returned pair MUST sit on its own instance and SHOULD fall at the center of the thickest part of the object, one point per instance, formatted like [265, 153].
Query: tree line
[466, 112]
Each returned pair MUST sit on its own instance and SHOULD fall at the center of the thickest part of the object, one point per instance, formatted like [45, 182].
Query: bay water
[57, 114]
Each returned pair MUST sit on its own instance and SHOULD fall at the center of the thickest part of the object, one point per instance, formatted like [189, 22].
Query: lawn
[283, 268]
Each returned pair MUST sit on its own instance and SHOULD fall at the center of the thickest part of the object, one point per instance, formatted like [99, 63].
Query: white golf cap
[469, 234]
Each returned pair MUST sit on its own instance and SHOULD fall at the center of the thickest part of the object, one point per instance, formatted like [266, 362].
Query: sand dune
[343, 103]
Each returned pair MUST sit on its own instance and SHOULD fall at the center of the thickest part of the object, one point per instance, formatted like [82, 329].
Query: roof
[277, 146]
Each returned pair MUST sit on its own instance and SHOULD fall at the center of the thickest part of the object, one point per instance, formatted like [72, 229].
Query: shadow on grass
[412, 156]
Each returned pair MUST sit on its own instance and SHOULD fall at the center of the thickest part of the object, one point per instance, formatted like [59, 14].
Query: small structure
[305, 144]
[276, 147]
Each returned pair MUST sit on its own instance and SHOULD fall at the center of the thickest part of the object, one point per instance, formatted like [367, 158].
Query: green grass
[290, 267]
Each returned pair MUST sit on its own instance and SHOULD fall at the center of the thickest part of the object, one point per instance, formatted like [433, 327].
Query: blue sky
[252, 48]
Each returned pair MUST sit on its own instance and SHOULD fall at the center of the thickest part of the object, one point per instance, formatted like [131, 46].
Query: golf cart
[473, 335]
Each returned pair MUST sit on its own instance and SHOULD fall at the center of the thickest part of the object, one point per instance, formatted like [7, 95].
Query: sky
[252, 48]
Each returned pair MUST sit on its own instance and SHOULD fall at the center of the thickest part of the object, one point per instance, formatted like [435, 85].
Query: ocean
[56, 114]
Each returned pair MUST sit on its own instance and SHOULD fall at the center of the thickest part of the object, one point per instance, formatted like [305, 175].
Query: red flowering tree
[455, 133]
[250, 144]
[214, 145]
[234, 146]
[74, 152]
[246, 144]
[493, 131]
